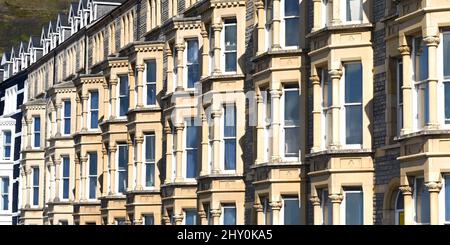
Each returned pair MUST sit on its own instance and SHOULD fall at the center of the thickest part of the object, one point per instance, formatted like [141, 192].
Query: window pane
[230, 38]
[291, 212]
[292, 141]
[447, 102]
[149, 220]
[193, 74]
[229, 216]
[354, 208]
[150, 148]
[446, 55]
[354, 10]
[230, 121]
[37, 124]
[93, 164]
[67, 125]
[7, 139]
[192, 136]
[123, 157]
[291, 108]
[151, 71]
[94, 119]
[353, 83]
[292, 32]
[327, 216]
[230, 62]
[92, 187]
[192, 54]
[94, 100]
[230, 154]
[66, 108]
[151, 94]
[191, 164]
[37, 139]
[122, 181]
[420, 59]
[7, 152]
[150, 174]
[66, 167]
[291, 7]
[191, 217]
[447, 198]
[35, 177]
[353, 125]
[65, 188]
[422, 202]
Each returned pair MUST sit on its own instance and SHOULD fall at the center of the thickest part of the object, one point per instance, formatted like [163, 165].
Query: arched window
[399, 209]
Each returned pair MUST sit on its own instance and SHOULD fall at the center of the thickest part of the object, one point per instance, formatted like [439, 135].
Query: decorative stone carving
[433, 186]
[315, 200]
[404, 50]
[336, 198]
[406, 190]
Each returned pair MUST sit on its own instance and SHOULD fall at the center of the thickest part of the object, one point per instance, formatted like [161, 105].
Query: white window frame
[414, 200]
[92, 109]
[184, 166]
[175, 68]
[89, 176]
[326, 110]
[325, 15]
[185, 211]
[414, 87]
[283, 18]
[61, 184]
[7, 194]
[267, 125]
[145, 216]
[343, 206]
[399, 92]
[63, 112]
[211, 50]
[223, 138]
[282, 210]
[186, 64]
[145, 163]
[442, 201]
[33, 168]
[225, 206]
[266, 210]
[441, 83]
[343, 118]
[174, 154]
[268, 26]
[35, 132]
[210, 140]
[282, 127]
[146, 83]
[5, 144]
[344, 13]
[10, 100]
[323, 204]
[222, 43]
[120, 97]
[398, 211]
[118, 170]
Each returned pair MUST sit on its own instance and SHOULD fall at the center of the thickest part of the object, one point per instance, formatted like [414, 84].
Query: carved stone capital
[178, 218]
[139, 139]
[315, 200]
[179, 47]
[140, 68]
[336, 198]
[112, 148]
[259, 5]
[217, 26]
[202, 214]
[167, 130]
[433, 186]
[113, 81]
[406, 190]
[84, 97]
[276, 205]
[276, 93]
[216, 212]
[258, 207]
[179, 126]
[404, 50]
[432, 41]
[335, 74]
[315, 80]
[216, 113]
[204, 34]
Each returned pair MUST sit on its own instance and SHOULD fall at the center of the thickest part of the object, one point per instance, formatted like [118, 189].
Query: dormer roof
[35, 42]
[62, 21]
[73, 11]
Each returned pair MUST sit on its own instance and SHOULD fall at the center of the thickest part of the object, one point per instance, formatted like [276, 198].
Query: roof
[63, 19]
[35, 41]
[73, 6]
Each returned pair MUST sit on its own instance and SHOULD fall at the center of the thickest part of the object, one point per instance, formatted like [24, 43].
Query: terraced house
[181, 112]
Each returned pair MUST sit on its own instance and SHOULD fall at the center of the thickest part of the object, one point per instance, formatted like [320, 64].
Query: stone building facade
[182, 112]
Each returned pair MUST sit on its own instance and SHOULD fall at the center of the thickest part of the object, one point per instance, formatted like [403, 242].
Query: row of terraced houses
[181, 112]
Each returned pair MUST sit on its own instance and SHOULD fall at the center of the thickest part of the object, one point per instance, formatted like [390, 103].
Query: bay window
[291, 211]
[37, 132]
[229, 137]
[122, 163]
[228, 214]
[66, 117]
[4, 193]
[93, 112]
[230, 45]
[35, 186]
[92, 175]
[421, 202]
[352, 206]
[353, 103]
[149, 151]
[192, 142]
[291, 121]
[290, 12]
[353, 10]
[192, 65]
[65, 173]
[123, 95]
[150, 82]
[7, 139]
[190, 217]
[420, 74]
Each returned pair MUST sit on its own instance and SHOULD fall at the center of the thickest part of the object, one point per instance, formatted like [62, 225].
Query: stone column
[315, 201]
[112, 169]
[140, 73]
[77, 179]
[179, 152]
[166, 220]
[85, 112]
[408, 204]
[83, 188]
[158, 13]
[53, 126]
[260, 128]
[432, 43]
[131, 80]
[205, 144]
[317, 10]
[29, 124]
[275, 94]
[105, 100]
[105, 171]
[205, 53]
[169, 72]
[169, 148]
[51, 182]
[178, 219]
[203, 217]
[130, 166]
[434, 188]
[336, 200]
[113, 82]
[275, 206]
[24, 184]
[174, 7]
[276, 25]
[28, 176]
[215, 214]
[180, 65]
[78, 113]
[406, 90]
[216, 141]
[317, 113]
[335, 12]
[217, 28]
[24, 135]
[139, 140]
[259, 5]
[153, 13]
[57, 164]
[58, 118]
[259, 213]
[335, 76]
